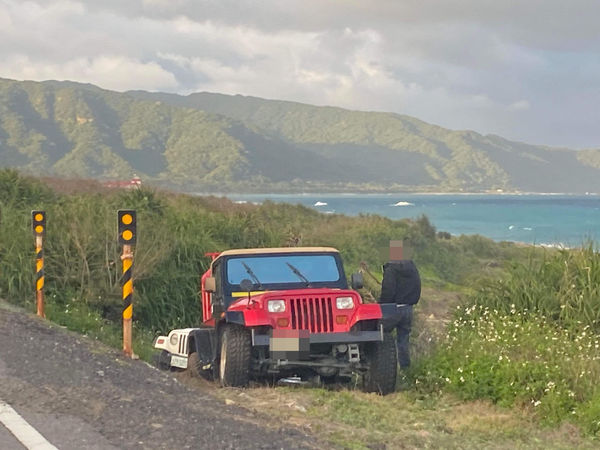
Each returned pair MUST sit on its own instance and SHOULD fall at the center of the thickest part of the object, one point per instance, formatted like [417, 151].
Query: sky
[527, 70]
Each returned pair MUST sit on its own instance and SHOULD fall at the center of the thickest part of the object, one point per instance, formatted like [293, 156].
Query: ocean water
[567, 220]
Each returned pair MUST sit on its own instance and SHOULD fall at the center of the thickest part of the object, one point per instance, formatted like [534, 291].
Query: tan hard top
[261, 251]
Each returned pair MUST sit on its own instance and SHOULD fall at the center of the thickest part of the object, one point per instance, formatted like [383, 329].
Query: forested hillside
[217, 142]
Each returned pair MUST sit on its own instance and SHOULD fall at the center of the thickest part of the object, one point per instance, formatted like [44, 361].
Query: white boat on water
[320, 204]
[404, 204]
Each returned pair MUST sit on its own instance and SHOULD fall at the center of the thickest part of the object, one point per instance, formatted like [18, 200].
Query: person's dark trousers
[405, 316]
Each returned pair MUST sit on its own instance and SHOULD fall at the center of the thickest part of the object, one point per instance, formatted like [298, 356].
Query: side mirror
[357, 280]
[246, 285]
[209, 284]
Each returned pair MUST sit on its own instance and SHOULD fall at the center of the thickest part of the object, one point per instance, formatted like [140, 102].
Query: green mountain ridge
[207, 141]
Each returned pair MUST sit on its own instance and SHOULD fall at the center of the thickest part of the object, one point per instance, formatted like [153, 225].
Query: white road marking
[25, 433]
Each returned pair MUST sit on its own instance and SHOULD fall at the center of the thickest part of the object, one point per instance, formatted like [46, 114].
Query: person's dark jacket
[401, 283]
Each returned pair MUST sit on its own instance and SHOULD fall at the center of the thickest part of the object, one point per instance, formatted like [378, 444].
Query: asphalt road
[8, 441]
[80, 394]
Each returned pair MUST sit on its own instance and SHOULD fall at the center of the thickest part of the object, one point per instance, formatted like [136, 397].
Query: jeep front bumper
[351, 337]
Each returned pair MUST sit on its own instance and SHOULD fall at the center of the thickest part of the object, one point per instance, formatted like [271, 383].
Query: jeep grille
[183, 344]
[313, 314]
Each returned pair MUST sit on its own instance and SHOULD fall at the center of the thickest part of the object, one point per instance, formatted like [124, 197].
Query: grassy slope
[352, 419]
[175, 231]
[409, 418]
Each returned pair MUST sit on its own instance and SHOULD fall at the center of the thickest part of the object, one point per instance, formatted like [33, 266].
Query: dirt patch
[481, 416]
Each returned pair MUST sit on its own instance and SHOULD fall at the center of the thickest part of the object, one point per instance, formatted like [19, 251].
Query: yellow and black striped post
[38, 220]
[127, 238]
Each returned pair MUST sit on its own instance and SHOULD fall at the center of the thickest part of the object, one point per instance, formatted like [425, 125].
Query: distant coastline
[392, 193]
[544, 219]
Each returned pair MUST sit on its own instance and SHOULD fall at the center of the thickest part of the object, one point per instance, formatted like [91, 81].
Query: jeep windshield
[290, 271]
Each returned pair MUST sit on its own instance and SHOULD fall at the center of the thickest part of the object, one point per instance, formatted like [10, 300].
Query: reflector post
[38, 224]
[38, 221]
[126, 225]
[126, 222]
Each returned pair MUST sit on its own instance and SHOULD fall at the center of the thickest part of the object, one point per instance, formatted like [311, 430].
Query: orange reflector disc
[126, 219]
[39, 217]
[340, 320]
[127, 235]
[283, 322]
[39, 229]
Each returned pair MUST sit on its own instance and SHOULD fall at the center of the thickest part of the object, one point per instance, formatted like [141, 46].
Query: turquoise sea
[567, 220]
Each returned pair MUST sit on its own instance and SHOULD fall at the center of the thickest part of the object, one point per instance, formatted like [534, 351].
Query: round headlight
[173, 339]
[276, 306]
[344, 303]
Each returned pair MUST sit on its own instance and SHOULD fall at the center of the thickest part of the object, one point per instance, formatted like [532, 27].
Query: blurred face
[395, 250]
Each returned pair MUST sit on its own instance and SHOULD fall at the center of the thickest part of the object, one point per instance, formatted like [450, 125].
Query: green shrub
[517, 358]
[174, 232]
[563, 286]
[16, 190]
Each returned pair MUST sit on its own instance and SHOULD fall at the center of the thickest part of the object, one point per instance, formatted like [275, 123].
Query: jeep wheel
[161, 360]
[193, 366]
[383, 366]
[234, 365]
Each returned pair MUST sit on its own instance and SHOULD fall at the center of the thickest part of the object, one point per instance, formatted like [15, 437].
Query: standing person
[401, 285]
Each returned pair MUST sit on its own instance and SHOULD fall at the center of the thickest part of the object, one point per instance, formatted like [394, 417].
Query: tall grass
[174, 233]
[530, 339]
[564, 287]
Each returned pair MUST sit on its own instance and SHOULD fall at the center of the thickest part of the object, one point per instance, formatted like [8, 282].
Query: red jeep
[285, 312]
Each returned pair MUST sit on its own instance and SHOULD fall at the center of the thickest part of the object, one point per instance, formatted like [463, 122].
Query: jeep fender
[249, 317]
[366, 311]
[204, 341]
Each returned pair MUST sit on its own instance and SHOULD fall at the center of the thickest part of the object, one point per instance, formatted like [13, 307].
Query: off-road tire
[161, 360]
[234, 363]
[383, 366]
[194, 368]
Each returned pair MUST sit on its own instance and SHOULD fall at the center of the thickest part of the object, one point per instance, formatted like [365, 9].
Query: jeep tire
[193, 365]
[383, 366]
[234, 364]
[161, 360]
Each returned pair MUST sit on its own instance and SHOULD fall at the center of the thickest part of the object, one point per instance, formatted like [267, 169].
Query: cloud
[110, 72]
[520, 105]
[527, 71]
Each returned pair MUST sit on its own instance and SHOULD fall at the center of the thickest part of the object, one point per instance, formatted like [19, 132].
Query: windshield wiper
[252, 275]
[298, 274]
